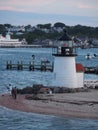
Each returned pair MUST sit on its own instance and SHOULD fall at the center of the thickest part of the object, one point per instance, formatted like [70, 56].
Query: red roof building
[79, 67]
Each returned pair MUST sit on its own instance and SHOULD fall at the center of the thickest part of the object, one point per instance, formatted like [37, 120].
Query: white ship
[7, 41]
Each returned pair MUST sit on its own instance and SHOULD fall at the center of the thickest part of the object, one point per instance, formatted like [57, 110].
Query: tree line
[53, 33]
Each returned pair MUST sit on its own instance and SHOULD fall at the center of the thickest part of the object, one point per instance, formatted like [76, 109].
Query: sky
[70, 12]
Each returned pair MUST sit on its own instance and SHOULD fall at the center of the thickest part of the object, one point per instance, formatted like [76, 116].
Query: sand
[79, 105]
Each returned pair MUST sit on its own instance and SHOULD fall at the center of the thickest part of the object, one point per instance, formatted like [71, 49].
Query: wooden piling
[31, 66]
[9, 65]
[20, 65]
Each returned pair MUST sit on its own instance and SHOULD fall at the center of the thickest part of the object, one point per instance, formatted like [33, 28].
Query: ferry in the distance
[7, 41]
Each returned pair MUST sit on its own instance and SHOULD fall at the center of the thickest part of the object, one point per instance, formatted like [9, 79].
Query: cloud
[25, 3]
[82, 7]
[87, 8]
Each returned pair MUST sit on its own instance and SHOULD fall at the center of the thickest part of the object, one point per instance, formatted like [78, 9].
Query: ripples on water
[14, 120]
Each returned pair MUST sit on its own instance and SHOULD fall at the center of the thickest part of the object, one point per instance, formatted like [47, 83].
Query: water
[23, 78]
[15, 120]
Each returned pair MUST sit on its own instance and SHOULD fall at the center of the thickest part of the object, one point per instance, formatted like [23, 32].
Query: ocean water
[15, 120]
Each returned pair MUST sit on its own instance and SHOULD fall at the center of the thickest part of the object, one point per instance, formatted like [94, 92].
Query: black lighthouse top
[65, 36]
[65, 47]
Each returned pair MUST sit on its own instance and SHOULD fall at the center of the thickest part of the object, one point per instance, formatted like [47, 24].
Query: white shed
[80, 75]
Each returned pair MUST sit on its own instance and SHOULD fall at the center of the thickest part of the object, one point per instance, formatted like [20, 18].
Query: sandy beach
[79, 105]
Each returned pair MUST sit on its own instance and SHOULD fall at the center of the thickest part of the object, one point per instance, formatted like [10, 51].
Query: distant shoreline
[77, 105]
[33, 46]
[26, 46]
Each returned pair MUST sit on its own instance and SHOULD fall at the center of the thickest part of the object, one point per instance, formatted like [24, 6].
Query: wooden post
[9, 65]
[19, 66]
[43, 66]
[52, 67]
[31, 66]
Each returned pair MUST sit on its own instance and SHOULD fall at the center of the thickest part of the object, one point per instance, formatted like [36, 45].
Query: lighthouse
[64, 63]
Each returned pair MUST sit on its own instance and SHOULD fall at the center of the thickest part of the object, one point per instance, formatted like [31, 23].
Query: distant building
[58, 29]
[95, 42]
[16, 29]
[8, 41]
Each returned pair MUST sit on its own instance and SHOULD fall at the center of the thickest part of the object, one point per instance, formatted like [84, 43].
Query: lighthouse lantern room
[64, 63]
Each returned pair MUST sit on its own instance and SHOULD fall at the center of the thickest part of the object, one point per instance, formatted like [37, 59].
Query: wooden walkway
[42, 66]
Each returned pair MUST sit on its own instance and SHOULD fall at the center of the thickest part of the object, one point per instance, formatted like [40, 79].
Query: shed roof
[79, 67]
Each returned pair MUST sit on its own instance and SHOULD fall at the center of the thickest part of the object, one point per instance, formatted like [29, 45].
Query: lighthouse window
[67, 50]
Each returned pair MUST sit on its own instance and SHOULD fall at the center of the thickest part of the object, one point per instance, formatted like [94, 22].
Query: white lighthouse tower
[64, 64]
